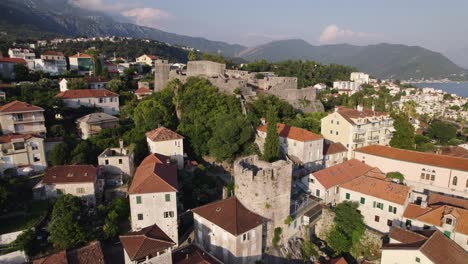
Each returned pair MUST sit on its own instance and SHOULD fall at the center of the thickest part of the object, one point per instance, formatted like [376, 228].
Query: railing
[387, 124]
[374, 128]
[358, 140]
[373, 138]
[28, 119]
[302, 205]
[359, 131]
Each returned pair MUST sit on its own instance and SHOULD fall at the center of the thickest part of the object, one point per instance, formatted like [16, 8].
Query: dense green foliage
[404, 135]
[308, 121]
[285, 112]
[423, 143]
[59, 155]
[308, 250]
[67, 227]
[271, 149]
[442, 131]
[114, 214]
[277, 236]
[25, 241]
[348, 228]
[396, 175]
[157, 109]
[308, 73]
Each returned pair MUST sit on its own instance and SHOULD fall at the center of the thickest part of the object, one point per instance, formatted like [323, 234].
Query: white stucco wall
[171, 148]
[403, 256]
[109, 105]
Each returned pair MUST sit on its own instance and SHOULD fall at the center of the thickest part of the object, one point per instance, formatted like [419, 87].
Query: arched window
[455, 180]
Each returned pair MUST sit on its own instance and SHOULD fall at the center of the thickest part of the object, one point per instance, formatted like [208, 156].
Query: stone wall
[161, 75]
[205, 68]
[304, 99]
[265, 188]
[277, 83]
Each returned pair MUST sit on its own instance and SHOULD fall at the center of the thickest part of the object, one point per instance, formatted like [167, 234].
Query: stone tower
[265, 189]
[161, 75]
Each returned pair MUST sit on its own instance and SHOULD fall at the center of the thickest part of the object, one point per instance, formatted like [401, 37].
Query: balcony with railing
[359, 131]
[358, 140]
[28, 119]
[373, 138]
[387, 124]
[374, 128]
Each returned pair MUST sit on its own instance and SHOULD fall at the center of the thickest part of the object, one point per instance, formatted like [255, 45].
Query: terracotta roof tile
[10, 137]
[405, 236]
[89, 254]
[414, 210]
[98, 118]
[380, 188]
[162, 134]
[349, 113]
[81, 55]
[341, 173]
[143, 90]
[56, 258]
[434, 216]
[455, 151]
[18, 106]
[229, 214]
[416, 157]
[85, 93]
[440, 199]
[333, 148]
[155, 174]
[440, 249]
[341, 260]
[192, 254]
[146, 242]
[291, 132]
[70, 174]
[12, 60]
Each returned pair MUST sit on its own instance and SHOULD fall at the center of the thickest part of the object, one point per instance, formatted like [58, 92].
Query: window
[168, 197]
[447, 234]
[422, 176]
[36, 157]
[348, 196]
[317, 193]
[331, 132]
[120, 161]
[390, 208]
[418, 260]
[18, 145]
[389, 222]
[295, 223]
[408, 222]
[34, 146]
[337, 122]
[455, 180]
[448, 221]
[337, 133]
[140, 217]
[138, 199]
[466, 184]
[101, 100]
[432, 177]
[428, 176]
[378, 205]
[363, 200]
[80, 190]
[169, 214]
[19, 117]
[377, 218]
[311, 180]
[106, 162]
[332, 121]
[245, 237]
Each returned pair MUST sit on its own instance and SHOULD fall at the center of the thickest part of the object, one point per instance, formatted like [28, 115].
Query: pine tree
[271, 150]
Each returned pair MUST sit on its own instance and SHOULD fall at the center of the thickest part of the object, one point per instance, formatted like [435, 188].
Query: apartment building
[229, 231]
[148, 245]
[423, 171]
[325, 184]
[381, 201]
[429, 247]
[359, 77]
[166, 142]
[103, 99]
[24, 153]
[81, 63]
[153, 195]
[93, 124]
[77, 180]
[149, 60]
[301, 146]
[51, 62]
[26, 54]
[22, 118]
[355, 128]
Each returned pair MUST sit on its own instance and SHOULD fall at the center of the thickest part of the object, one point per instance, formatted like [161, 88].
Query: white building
[347, 85]
[25, 54]
[149, 60]
[24, 153]
[153, 195]
[229, 231]
[77, 180]
[423, 247]
[422, 171]
[381, 201]
[334, 153]
[359, 77]
[301, 146]
[117, 161]
[51, 62]
[22, 118]
[104, 99]
[166, 142]
[93, 124]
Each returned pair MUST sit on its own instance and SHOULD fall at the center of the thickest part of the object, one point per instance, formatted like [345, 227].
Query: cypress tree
[271, 150]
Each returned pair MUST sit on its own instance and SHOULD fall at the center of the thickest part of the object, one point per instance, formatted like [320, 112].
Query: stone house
[334, 153]
[22, 118]
[355, 128]
[91, 254]
[142, 92]
[423, 171]
[229, 231]
[153, 195]
[25, 153]
[421, 247]
[166, 142]
[205, 68]
[93, 124]
[103, 99]
[325, 184]
[301, 146]
[148, 245]
[382, 202]
[77, 180]
[117, 161]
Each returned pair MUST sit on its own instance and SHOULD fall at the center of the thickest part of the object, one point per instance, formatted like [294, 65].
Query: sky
[437, 25]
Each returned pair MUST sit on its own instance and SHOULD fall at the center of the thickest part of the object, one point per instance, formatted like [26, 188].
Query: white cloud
[332, 34]
[146, 16]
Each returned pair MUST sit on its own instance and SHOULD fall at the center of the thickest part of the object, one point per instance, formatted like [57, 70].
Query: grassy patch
[35, 211]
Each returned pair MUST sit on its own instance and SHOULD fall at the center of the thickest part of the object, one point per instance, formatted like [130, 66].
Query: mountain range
[41, 18]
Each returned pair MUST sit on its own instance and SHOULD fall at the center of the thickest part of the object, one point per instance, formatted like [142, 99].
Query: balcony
[358, 140]
[359, 131]
[387, 124]
[17, 120]
[374, 128]
[388, 136]
[373, 138]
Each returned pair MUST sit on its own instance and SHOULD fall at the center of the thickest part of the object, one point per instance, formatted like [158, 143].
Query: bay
[458, 88]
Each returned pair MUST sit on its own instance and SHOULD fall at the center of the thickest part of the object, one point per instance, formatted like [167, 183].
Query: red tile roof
[143, 90]
[380, 188]
[89, 254]
[291, 132]
[333, 148]
[434, 215]
[155, 174]
[52, 53]
[416, 157]
[81, 55]
[56, 258]
[192, 254]
[341, 260]
[405, 236]
[85, 93]
[349, 113]
[18, 106]
[12, 60]
[146, 242]
[70, 174]
[341, 173]
[162, 134]
[10, 137]
[440, 199]
[229, 214]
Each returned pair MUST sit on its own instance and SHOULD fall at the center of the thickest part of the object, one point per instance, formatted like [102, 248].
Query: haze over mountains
[58, 17]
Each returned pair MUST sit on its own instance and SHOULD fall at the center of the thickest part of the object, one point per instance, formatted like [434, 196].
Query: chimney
[423, 204]
[263, 120]
[359, 108]
[121, 145]
[373, 108]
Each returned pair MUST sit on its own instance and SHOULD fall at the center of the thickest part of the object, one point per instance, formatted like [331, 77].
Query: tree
[409, 108]
[115, 85]
[84, 153]
[25, 241]
[403, 137]
[117, 212]
[59, 155]
[56, 131]
[192, 55]
[271, 151]
[67, 227]
[3, 196]
[157, 109]
[75, 84]
[442, 131]
[396, 175]
[21, 72]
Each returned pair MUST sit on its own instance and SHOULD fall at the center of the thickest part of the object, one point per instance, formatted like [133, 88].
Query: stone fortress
[246, 82]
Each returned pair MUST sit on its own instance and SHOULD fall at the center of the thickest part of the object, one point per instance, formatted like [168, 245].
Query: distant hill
[380, 60]
[36, 18]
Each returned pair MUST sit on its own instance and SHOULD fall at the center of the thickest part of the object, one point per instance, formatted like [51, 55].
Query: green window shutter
[447, 234]
[138, 199]
[363, 200]
[168, 197]
[373, 204]
[390, 209]
[381, 206]
[348, 196]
